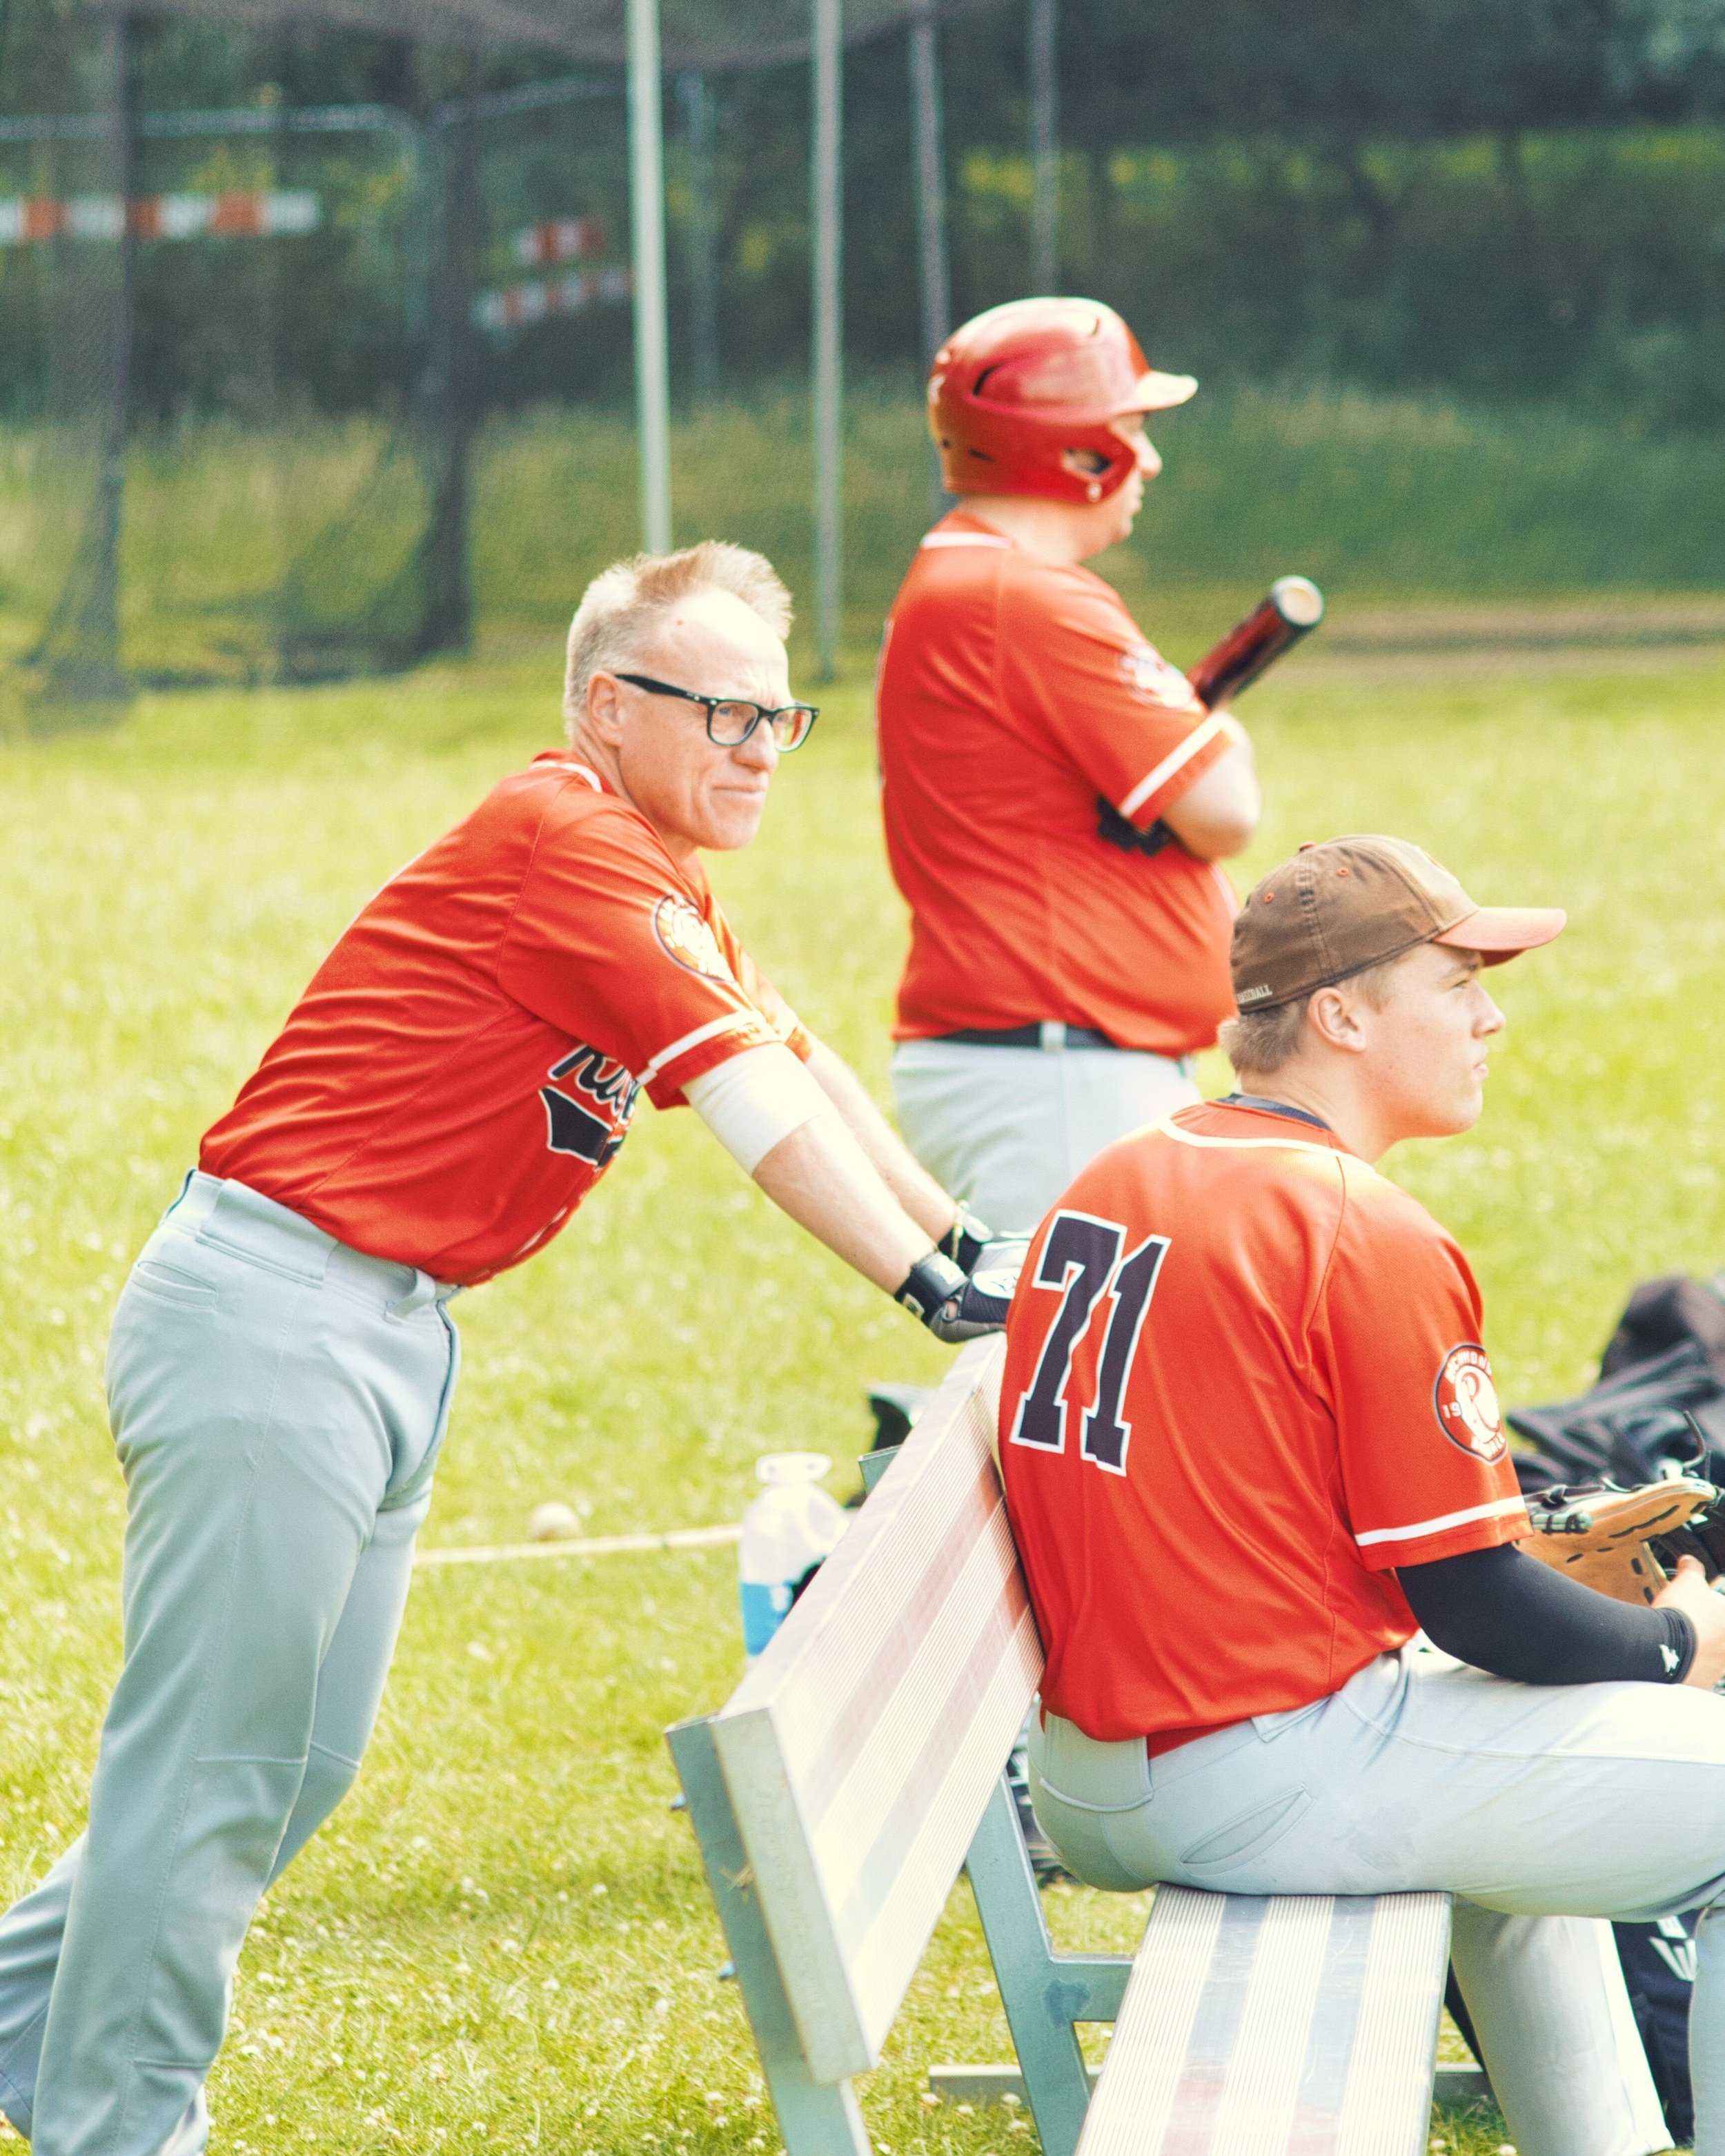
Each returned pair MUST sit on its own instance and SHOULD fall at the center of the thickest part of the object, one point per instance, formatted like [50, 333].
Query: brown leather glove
[1626, 1542]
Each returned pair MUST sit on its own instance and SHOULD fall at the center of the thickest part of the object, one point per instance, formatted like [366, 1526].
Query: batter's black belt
[1052, 1035]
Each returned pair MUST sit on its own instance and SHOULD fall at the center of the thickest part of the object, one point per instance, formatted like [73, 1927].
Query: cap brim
[1499, 932]
[1161, 392]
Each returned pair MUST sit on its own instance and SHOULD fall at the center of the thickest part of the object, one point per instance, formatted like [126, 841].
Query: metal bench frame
[1045, 1994]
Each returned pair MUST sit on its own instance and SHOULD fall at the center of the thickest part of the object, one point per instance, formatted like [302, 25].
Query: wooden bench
[859, 1765]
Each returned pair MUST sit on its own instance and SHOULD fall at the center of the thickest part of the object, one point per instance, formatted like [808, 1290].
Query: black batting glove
[974, 1246]
[966, 1239]
[953, 1305]
[1118, 831]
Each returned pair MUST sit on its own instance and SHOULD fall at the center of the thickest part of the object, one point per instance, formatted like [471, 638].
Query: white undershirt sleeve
[751, 1101]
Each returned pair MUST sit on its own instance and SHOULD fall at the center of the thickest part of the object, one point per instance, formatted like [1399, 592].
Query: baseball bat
[1293, 608]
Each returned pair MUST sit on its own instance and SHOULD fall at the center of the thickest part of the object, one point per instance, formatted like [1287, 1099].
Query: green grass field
[502, 1940]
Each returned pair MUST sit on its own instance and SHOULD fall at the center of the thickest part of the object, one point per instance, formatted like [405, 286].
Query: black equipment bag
[1660, 1396]
[1659, 1967]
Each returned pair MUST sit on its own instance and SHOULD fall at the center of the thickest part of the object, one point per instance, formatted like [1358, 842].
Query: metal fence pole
[646, 157]
[446, 594]
[926, 121]
[98, 667]
[1044, 148]
[826, 177]
[695, 96]
[80, 648]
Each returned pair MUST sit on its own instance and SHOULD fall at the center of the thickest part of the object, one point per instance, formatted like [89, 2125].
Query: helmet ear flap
[1015, 390]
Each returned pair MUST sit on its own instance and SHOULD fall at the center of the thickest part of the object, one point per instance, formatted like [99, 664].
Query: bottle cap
[782, 1467]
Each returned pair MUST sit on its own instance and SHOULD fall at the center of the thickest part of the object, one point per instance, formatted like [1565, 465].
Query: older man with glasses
[458, 1075]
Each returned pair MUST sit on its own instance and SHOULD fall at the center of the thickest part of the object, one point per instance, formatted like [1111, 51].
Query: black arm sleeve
[1507, 1613]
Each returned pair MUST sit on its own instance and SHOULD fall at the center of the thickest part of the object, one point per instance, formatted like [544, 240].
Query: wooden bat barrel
[1294, 607]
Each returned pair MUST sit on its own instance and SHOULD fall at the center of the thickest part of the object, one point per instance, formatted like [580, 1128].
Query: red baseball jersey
[1243, 1381]
[464, 1064]
[1013, 693]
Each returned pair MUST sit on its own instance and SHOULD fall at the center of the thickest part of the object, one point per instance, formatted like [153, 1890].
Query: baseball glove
[1626, 1542]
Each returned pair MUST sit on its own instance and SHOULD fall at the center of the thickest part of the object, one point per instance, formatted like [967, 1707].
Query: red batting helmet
[1016, 388]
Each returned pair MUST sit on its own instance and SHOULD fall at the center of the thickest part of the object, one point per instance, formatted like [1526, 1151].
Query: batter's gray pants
[1006, 1129]
[1538, 1807]
[278, 1401]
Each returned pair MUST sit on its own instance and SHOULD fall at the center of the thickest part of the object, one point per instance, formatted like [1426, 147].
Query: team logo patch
[593, 1126]
[1145, 669]
[1467, 1403]
[683, 935]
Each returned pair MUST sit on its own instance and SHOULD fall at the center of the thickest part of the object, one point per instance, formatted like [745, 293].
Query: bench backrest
[861, 1749]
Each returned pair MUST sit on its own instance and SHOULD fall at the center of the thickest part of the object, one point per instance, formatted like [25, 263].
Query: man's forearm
[1217, 814]
[915, 1190]
[823, 1178]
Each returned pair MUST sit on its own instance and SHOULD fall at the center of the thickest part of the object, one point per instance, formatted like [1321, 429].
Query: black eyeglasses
[730, 720]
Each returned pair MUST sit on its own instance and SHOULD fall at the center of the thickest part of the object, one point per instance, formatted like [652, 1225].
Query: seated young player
[1250, 1444]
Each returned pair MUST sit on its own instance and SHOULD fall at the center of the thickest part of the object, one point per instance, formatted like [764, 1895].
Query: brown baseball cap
[1349, 903]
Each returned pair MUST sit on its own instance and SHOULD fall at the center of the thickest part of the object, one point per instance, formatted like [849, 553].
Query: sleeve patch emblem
[1467, 1403]
[685, 935]
[1144, 668]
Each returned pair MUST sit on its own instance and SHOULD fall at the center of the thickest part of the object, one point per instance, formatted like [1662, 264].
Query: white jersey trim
[1153, 781]
[1169, 1128]
[1498, 1509]
[732, 1022]
[965, 539]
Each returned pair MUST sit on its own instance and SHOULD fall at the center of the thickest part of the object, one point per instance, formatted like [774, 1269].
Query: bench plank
[860, 1751]
[1259, 2025]
[1390, 2077]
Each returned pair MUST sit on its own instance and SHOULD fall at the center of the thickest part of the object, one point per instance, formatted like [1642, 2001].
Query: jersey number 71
[1082, 1257]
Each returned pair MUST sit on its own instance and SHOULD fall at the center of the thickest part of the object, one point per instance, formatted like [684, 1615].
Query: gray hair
[621, 606]
[1260, 1042]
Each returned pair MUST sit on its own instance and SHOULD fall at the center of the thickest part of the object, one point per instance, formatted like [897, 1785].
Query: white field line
[588, 1546]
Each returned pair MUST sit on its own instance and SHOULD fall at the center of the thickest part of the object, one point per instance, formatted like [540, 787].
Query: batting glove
[956, 1305]
[966, 1239]
[974, 1246]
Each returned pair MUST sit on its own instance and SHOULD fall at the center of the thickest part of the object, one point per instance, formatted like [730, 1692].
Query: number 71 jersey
[1243, 1382]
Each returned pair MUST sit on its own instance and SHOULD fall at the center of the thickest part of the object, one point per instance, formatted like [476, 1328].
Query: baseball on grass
[553, 1523]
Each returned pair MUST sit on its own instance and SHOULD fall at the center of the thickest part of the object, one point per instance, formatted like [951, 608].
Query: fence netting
[263, 273]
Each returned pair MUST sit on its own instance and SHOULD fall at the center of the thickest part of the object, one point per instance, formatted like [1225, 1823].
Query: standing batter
[1059, 975]
[458, 1074]
[1251, 1442]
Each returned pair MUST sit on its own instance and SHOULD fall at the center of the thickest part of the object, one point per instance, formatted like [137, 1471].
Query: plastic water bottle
[790, 1527]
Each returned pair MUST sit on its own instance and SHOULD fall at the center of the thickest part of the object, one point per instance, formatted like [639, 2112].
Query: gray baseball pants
[277, 1402]
[1540, 1808]
[1006, 1129]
